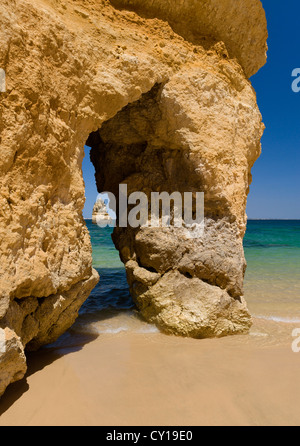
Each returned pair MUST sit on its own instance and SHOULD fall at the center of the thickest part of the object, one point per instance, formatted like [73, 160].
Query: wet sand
[153, 379]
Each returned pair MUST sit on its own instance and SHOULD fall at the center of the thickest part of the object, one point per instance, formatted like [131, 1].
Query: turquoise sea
[272, 282]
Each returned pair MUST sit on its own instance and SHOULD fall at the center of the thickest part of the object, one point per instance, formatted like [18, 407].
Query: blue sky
[90, 184]
[275, 189]
[276, 175]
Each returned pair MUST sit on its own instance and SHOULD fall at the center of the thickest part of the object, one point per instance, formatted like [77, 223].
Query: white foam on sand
[100, 329]
[285, 320]
[126, 321]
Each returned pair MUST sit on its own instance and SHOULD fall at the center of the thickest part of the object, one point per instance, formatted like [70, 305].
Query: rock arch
[184, 113]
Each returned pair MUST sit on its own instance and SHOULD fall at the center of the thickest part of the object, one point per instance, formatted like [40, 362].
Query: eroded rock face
[240, 24]
[12, 358]
[165, 142]
[164, 108]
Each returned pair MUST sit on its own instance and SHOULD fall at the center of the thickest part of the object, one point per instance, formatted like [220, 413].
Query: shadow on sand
[71, 341]
[37, 361]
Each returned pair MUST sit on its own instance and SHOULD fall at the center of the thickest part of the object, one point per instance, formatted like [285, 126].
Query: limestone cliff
[161, 91]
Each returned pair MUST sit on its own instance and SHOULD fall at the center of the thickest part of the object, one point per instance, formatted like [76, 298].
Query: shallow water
[272, 285]
[272, 281]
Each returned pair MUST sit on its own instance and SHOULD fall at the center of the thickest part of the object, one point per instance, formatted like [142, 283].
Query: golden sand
[153, 379]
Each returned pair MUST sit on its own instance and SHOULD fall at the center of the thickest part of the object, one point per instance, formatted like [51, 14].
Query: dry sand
[154, 379]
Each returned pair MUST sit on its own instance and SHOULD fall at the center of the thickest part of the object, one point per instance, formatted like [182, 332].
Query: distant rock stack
[100, 214]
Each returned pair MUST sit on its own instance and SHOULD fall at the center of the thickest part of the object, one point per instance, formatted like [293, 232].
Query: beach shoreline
[152, 379]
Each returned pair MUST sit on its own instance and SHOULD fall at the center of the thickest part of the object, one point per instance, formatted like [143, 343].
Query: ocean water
[109, 309]
[272, 282]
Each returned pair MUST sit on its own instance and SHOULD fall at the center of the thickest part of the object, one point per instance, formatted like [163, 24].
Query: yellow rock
[167, 85]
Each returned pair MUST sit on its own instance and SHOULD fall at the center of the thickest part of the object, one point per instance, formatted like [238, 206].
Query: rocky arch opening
[130, 149]
[121, 152]
[133, 148]
[109, 305]
[177, 283]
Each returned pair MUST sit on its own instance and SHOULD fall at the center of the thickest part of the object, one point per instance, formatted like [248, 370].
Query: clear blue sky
[275, 191]
[276, 175]
[90, 184]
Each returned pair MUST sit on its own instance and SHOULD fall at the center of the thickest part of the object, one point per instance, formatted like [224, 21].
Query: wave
[254, 244]
[285, 320]
[143, 330]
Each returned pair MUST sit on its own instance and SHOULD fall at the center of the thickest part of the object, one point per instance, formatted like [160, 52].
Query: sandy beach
[154, 379]
[149, 213]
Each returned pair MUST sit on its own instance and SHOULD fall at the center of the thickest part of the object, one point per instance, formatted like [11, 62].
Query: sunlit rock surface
[163, 90]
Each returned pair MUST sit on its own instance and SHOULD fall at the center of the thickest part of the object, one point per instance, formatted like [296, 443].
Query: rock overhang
[240, 24]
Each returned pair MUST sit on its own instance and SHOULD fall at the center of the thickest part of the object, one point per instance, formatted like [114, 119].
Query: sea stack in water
[161, 91]
[100, 215]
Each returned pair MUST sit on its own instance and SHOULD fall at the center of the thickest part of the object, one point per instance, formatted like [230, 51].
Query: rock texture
[162, 93]
[240, 24]
[12, 358]
[189, 134]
